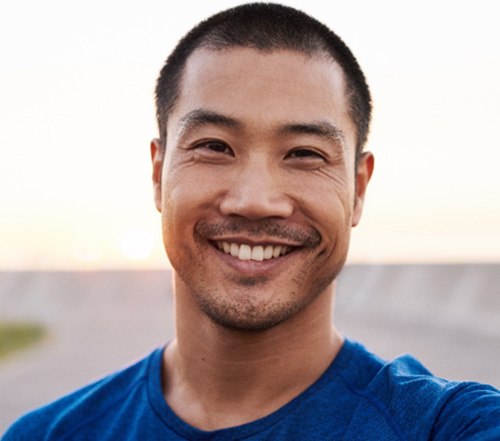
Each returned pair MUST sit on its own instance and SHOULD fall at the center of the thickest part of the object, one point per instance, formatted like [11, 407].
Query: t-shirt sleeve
[472, 413]
[26, 428]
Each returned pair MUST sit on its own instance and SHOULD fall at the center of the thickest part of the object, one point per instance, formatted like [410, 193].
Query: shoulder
[85, 406]
[471, 411]
[413, 401]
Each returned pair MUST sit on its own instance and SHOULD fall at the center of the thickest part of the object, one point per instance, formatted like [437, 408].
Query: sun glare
[136, 244]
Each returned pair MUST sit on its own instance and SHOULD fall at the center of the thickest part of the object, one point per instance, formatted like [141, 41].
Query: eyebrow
[202, 117]
[323, 129]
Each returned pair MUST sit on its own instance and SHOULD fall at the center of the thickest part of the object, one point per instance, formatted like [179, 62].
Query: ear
[364, 172]
[157, 155]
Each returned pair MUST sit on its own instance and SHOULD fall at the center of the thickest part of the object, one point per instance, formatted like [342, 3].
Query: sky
[77, 116]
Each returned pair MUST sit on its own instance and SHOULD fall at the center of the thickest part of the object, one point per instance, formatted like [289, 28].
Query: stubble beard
[241, 307]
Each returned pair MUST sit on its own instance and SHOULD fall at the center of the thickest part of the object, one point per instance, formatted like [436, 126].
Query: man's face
[257, 184]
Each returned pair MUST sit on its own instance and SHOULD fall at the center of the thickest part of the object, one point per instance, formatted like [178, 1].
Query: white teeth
[276, 251]
[245, 252]
[257, 253]
[268, 252]
[234, 250]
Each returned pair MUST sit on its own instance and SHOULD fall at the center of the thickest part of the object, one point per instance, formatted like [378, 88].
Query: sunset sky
[77, 115]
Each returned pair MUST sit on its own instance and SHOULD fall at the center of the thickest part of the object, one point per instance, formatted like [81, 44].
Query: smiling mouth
[257, 252]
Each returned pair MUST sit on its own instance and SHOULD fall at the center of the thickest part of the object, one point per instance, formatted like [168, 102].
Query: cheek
[335, 228]
[328, 204]
[187, 198]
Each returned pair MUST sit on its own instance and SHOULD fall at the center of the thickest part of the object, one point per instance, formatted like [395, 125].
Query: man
[259, 174]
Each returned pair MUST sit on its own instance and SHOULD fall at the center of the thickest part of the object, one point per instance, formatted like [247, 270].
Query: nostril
[256, 205]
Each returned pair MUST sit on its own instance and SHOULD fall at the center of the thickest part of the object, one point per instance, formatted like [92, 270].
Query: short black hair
[265, 27]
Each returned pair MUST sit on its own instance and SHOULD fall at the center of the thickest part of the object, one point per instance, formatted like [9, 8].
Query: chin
[248, 318]
[249, 308]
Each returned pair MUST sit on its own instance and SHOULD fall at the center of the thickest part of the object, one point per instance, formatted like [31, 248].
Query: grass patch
[19, 335]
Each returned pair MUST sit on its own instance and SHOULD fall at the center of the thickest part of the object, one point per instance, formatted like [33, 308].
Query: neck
[238, 376]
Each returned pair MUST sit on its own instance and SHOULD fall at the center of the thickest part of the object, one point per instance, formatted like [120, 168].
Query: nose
[256, 192]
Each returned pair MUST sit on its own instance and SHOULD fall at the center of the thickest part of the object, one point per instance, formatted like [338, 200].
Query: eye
[304, 153]
[215, 147]
[305, 158]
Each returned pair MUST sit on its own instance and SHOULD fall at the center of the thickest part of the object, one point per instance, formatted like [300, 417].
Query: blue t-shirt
[359, 397]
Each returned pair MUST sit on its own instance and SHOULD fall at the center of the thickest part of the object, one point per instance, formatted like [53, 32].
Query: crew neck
[185, 430]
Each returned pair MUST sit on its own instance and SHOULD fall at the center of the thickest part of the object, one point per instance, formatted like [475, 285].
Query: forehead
[263, 89]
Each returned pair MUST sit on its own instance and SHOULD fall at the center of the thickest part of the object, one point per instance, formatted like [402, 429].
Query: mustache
[308, 237]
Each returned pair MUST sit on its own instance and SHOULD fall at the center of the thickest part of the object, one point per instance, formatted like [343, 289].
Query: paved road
[448, 316]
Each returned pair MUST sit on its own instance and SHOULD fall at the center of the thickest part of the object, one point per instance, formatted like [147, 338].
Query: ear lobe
[157, 155]
[364, 172]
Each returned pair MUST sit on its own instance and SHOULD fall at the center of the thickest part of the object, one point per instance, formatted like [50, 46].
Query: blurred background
[80, 244]
[77, 114]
